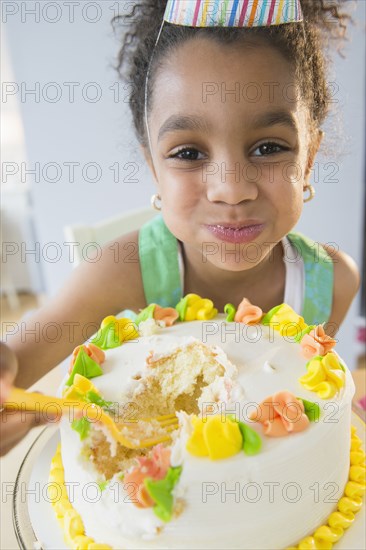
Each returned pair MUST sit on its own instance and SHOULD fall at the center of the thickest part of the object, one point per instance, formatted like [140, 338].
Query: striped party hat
[232, 13]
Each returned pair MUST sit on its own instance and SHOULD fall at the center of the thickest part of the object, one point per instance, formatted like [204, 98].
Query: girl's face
[230, 150]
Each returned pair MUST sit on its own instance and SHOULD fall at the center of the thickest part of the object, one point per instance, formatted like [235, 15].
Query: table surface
[10, 464]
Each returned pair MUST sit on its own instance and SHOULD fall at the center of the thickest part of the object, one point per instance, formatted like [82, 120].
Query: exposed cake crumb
[170, 382]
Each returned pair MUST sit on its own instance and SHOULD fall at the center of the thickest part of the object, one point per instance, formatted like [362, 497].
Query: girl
[229, 121]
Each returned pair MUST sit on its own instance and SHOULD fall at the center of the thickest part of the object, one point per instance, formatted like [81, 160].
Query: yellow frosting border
[323, 538]
[69, 519]
[350, 503]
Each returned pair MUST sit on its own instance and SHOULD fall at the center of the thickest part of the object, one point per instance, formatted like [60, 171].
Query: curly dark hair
[304, 50]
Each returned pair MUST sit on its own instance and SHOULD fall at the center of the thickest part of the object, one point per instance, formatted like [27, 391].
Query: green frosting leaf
[146, 313]
[181, 307]
[92, 397]
[315, 358]
[300, 335]
[85, 366]
[252, 442]
[230, 310]
[82, 426]
[268, 316]
[161, 492]
[312, 410]
[107, 338]
[103, 485]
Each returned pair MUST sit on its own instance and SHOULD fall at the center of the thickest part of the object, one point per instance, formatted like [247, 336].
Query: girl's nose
[231, 183]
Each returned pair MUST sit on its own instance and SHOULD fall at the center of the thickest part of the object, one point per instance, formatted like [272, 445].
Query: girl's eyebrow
[273, 118]
[200, 124]
[183, 122]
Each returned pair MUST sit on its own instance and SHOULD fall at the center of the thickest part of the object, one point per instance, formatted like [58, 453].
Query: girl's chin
[234, 257]
[233, 261]
[235, 268]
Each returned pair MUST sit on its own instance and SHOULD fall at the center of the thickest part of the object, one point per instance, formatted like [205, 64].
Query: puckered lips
[236, 232]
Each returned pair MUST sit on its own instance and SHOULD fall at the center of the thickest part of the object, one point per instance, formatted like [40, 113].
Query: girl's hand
[14, 425]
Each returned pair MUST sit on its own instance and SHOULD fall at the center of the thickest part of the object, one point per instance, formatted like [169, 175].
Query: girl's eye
[269, 148]
[191, 154]
[187, 153]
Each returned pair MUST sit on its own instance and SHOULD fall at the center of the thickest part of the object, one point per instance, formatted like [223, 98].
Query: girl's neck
[263, 285]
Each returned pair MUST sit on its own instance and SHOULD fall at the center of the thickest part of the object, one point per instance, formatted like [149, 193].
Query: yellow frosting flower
[196, 444]
[324, 376]
[80, 386]
[125, 328]
[194, 308]
[285, 320]
[215, 438]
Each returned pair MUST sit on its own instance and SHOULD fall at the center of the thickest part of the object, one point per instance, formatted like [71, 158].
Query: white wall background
[74, 49]
[45, 57]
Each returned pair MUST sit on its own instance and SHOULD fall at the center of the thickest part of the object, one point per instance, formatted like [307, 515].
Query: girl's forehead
[207, 77]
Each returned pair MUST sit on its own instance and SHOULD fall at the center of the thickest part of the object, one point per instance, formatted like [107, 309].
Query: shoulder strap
[318, 264]
[158, 251]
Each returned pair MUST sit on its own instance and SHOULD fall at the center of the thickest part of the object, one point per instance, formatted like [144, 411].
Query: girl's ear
[314, 146]
[147, 156]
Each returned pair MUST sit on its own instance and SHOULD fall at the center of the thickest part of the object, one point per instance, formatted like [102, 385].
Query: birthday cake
[263, 434]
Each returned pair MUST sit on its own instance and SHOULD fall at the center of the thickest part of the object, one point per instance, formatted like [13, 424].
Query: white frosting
[150, 327]
[243, 501]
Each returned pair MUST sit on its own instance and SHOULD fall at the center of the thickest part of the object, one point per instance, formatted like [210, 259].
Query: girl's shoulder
[115, 277]
[346, 283]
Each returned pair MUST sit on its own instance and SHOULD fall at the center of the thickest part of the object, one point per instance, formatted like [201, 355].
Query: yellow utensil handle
[19, 399]
[22, 400]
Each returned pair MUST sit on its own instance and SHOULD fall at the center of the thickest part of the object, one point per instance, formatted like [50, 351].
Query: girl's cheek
[180, 192]
[283, 176]
[183, 205]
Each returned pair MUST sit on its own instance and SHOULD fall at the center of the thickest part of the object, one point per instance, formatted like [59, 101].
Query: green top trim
[319, 279]
[158, 250]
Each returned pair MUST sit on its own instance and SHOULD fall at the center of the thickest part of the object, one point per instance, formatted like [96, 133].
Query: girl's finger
[13, 427]
[8, 370]
[5, 387]
[27, 418]
[8, 363]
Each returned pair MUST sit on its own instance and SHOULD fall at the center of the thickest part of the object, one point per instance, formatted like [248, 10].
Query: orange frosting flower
[317, 342]
[247, 313]
[166, 314]
[155, 467]
[93, 351]
[281, 414]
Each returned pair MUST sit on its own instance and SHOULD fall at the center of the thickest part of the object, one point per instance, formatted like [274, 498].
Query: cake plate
[36, 526]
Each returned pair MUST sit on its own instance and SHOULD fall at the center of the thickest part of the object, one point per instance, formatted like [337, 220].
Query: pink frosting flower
[317, 342]
[154, 466]
[166, 314]
[281, 414]
[247, 313]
